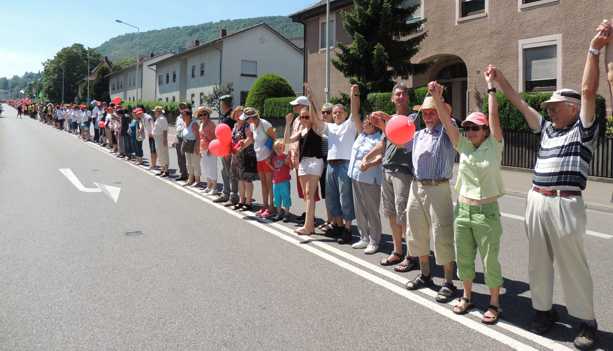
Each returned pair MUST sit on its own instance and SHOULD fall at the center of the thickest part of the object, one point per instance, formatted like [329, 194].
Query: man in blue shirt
[430, 207]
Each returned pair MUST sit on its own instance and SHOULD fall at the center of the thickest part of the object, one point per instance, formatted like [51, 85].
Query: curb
[589, 205]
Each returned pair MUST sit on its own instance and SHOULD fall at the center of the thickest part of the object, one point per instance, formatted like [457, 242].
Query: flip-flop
[492, 320]
[388, 262]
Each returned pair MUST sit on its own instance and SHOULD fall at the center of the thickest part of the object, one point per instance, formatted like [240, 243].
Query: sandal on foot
[463, 306]
[392, 259]
[407, 265]
[302, 231]
[495, 312]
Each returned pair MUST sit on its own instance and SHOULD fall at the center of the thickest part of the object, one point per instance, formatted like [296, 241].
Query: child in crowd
[280, 163]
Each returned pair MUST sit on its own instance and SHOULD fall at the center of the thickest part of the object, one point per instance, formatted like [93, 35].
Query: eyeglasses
[474, 128]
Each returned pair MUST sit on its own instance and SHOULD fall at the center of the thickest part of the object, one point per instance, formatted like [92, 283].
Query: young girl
[280, 164]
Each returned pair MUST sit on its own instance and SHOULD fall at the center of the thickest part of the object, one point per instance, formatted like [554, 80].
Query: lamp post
[63, 84]
[327, 50]
[87, 77]
[137, 63]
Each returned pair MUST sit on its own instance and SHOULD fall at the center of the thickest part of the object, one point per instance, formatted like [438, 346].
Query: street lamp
[63, 69]
[327, 51]
[137, 64]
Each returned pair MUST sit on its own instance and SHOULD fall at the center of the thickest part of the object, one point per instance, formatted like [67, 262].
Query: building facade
[128, 87]
[540, 45]
[238, 58]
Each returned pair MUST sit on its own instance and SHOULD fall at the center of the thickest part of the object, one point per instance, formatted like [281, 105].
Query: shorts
[152, 146]
[281, 193]
[311, 166]
[264, 167]
[395, 191]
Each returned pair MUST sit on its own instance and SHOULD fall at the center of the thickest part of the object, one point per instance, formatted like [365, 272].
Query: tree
[267, 86]
[385, 38]
[212, 99]
[71, 63]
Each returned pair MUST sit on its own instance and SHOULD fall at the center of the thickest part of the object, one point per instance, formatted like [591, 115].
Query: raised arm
[316, 120]
[436, 91]
[532, 117]
[589, 85]
[355, 107]
[287, 137]
[492, 103]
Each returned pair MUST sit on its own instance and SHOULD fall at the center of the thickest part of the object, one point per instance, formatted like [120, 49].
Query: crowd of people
[349, 161]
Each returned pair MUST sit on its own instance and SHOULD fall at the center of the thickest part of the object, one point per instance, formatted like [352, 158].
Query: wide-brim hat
[563, 95]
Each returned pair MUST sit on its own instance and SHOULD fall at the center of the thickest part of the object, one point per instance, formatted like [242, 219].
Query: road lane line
[413, 296]
[69, 174]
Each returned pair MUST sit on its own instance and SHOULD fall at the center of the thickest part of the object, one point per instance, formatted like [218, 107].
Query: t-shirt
[160, 125]
[280, 169]
[262, 152]
[340, 139]
[226, 119]
[148, 122]
[479, 175]
[563, 159]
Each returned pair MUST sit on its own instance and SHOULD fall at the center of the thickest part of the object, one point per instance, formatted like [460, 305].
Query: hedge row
[277, 107]
[383, 101]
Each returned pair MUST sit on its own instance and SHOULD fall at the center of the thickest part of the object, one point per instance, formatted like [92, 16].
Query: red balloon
[116, 100]
[223, 133]
[400, 130]
[219, 149]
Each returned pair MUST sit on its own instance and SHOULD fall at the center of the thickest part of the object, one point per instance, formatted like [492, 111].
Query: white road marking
[413, 296]
[108, 190]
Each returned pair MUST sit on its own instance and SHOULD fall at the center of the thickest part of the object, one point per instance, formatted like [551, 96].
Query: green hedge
[267, 86]
[171, 108]
[277, 107]
[383, 101]
[610, 126]
[512, 119]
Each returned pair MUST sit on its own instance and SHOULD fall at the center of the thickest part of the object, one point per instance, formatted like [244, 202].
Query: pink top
[207, 134]
[281, 170]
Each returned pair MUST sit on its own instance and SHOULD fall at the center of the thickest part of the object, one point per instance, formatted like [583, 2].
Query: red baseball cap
[478, 118]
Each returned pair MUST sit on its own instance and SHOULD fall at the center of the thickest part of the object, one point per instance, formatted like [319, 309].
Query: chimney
[223, 32]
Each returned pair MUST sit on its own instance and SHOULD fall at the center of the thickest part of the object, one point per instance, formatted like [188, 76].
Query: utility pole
[327, 50]
[137, 83]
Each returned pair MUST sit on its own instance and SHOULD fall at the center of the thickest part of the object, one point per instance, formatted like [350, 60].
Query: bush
[383, 101]
[609, 126]
[277, 107]
[171, 108]
[512, 119]
[267, 86]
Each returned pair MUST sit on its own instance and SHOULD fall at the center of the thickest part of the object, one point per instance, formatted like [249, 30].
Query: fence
[521, 148]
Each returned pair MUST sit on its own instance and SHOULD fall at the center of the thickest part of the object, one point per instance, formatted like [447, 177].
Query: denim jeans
[339, 193]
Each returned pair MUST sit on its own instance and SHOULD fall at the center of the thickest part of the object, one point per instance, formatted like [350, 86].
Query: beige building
[130, 85]
[540, 45]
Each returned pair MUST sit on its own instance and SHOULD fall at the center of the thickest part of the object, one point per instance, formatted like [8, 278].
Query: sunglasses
[326, 112]
[304, 117]
[474, 128]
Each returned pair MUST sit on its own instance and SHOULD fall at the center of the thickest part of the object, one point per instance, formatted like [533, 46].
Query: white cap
[300, 100]
[564, 95]
[243, 117]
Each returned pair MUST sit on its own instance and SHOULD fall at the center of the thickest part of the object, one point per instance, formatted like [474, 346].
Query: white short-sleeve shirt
[340, 139]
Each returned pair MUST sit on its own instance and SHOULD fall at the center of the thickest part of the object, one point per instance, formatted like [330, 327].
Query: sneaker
[543, 321]
[362, 244]
[237, 206]
[446, 293]
[587, 336]
[279, 216]
[371, 249]
[221, 199]
[206, 191]
[419, 282]
[287, 217]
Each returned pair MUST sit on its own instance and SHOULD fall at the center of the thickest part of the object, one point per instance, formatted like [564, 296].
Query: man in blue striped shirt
[430, 208]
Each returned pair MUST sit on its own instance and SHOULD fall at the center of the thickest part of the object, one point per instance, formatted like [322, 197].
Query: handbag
[188, 146]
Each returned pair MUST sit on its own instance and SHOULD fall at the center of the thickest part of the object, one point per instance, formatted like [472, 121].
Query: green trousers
[478, 228]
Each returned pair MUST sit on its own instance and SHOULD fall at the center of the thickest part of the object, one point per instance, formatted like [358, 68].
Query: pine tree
[385, 38]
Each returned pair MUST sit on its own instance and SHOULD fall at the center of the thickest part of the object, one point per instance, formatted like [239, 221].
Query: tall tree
[386, 35]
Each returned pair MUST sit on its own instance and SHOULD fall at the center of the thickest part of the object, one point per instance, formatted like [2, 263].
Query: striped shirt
[433, 154]
[564, 156]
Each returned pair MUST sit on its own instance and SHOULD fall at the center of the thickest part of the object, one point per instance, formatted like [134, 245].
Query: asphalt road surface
[164, 268]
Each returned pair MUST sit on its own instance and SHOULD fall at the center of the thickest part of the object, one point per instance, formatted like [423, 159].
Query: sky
[32, 31]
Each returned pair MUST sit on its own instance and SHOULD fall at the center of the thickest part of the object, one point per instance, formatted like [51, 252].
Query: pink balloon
[400, 130]
[223, 133]
[218, 148]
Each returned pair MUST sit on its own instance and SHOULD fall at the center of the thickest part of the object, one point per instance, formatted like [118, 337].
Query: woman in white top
[160, 136]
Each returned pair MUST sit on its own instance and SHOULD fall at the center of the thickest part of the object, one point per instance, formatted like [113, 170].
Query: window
[193, 98]
[419, 12]
[201, 101]
[244, 97]
[470, 9]
[113, 86]
[539, 64]
[167, 99]
[161, 79]
[249, 68]
[202, 69]
[174, 76]
[193, 71]
[167, 78]
[160, 99]
[527, 4]
[322, 33]
[173, 98]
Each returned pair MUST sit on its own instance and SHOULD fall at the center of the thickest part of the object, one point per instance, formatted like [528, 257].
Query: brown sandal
[463, 306]
[497, 312]
[389, 261]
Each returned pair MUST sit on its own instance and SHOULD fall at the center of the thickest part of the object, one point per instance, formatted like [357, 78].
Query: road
[166, 269]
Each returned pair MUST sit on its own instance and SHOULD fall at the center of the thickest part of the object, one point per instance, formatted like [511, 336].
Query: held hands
[603, 33]
[307, 90]
[379, 118]
[364, 166]
[435, 90]
[355, 90]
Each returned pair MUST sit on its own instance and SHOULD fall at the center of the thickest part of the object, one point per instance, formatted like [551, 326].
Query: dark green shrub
[267, 86]
[277, 107]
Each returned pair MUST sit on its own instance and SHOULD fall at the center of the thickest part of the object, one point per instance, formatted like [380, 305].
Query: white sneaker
[362, 244]
[371, 249]
[206, 191]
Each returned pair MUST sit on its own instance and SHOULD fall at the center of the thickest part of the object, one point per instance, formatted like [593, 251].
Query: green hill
[171, 39]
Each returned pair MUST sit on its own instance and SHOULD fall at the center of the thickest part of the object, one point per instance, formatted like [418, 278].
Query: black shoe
[346, 237]
[543, 321]
[221, 199]
[446, 293]
[302, 216]
[586, 337]
[287, 218]
[182, 178]
[278, 216]
[419, 282]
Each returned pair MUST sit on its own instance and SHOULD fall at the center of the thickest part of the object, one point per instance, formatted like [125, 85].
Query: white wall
[273, 55]
[211, 57]
[171, 89]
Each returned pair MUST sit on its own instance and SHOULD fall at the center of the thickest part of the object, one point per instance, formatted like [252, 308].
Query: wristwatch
[491, 90]
[594, 51]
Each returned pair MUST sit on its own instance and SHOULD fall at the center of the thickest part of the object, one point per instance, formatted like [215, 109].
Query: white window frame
[243, 74]
[458, 11]
[202, 69]
[521, 6]
[194, 71]
[546, 40]
[333, 34]
[421, 13]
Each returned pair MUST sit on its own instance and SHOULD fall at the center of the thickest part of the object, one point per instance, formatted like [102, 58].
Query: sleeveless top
[310, 145]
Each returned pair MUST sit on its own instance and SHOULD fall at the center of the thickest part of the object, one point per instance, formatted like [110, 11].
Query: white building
[124, 83]
[238, 58]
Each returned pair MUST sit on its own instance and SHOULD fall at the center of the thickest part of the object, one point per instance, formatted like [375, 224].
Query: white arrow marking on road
[108, 190]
